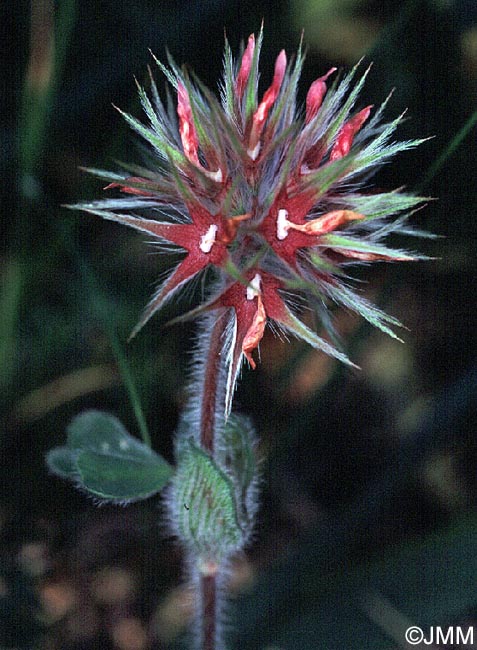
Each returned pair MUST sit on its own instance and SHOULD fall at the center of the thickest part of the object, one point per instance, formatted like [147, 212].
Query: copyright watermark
[436, 635]
[414, 635]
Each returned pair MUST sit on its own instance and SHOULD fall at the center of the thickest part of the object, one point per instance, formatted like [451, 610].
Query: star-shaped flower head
[274, 197]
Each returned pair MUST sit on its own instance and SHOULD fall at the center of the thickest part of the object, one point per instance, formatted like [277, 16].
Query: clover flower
[274, 199]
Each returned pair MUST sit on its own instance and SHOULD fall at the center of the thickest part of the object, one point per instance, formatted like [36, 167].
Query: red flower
[275, 202]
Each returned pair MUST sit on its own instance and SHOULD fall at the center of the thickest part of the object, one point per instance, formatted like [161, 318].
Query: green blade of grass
[453, 145]
[129, 384]
[50, 34]
[100, 307]
[10, 298]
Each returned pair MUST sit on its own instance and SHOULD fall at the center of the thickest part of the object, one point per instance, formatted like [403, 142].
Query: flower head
[273, 198]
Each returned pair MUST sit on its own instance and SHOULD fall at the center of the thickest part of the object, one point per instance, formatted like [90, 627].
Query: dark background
[369, 518]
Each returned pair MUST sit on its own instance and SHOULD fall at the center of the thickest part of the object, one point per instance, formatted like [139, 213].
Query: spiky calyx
[273, 200]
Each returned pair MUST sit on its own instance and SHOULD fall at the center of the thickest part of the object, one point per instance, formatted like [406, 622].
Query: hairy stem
[208, 587]
[211, 387]
[212, 400]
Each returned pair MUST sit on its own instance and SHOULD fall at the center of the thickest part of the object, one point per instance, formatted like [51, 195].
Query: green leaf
[122, 476]
[236, 449]
[102, 458]
[236, 455]
[206, 515]
[62, 462]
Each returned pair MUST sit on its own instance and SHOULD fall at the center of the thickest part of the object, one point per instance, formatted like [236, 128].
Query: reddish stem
[208, 586]
[210, 386]
[211, 400]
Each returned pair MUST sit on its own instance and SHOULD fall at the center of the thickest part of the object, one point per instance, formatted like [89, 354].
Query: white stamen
[253, 153]
[253, 289]
[282, 224]
[215, 176]
[208, 240]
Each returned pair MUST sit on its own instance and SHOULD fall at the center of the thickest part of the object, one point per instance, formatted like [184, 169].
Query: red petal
[272, 93]
[236, 297]
[245, 67]
[255, 332]
[187, 130]
[315, 96]
[267, 102]
[328, 222]
[372, 257]
[347, 133]
[131, 190]
[251, 314]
